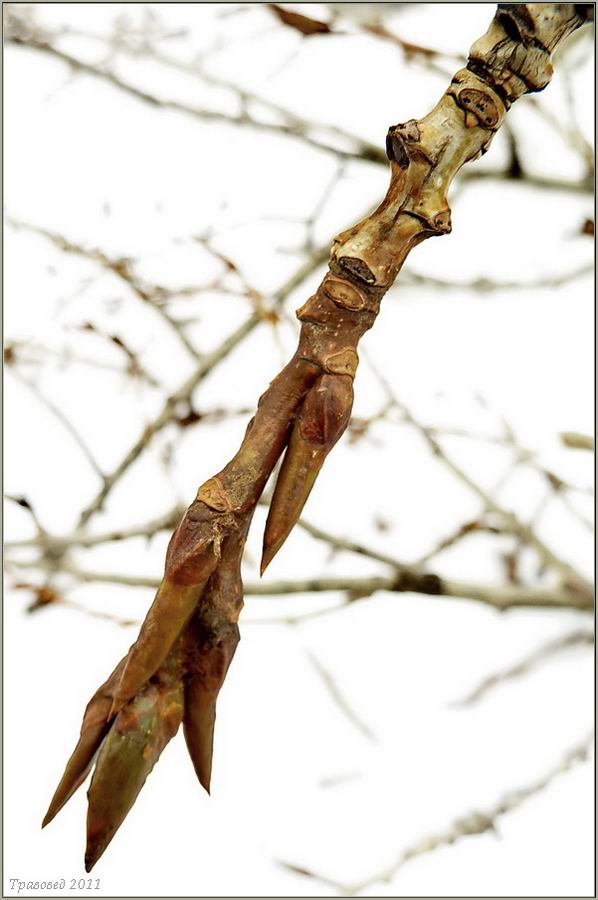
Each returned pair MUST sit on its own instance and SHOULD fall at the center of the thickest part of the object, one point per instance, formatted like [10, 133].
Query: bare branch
[185, 391]
[293, 127]
[60, 416]
[510, 520]
[339, 698]
[488, 286]
[474, 823]
[577, 441]
[527, 664]
[123, 270]
[343, 144]
[501, 597]
[173, 672]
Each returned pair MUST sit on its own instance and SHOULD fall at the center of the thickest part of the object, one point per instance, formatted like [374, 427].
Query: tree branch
[174, 671]
[186, 389]
[500, 597]
[474, 823]
[527, 664]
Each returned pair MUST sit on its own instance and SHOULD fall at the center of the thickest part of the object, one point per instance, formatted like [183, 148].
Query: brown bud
[323, 418]
[165, 620]
[96, 723]
[133, 746]
[210, 665]
[325, 413]
[194, 548]
[213, 636]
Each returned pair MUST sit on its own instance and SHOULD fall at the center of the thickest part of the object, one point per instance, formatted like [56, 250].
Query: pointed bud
[137, 738]
[96, 723]
[201, 694]
[193, 554]
[213, 635]
[323, 418]
[166, 618]
[193, 551]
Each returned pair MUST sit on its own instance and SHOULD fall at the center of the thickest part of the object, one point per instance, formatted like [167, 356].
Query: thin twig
[123, 270]
[525, 665]
[339, 698]
[510, 520]
[487, 285]
[294, 127]
[500, 597]
[64, 420]
[166, 522]
[474, 823]
[185, 391]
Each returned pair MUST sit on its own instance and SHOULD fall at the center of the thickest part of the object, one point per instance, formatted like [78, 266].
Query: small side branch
[500, 597]
[474, 823]
[527, 664]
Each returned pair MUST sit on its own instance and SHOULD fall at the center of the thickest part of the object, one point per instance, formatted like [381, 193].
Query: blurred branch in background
[21, 29]
[474, 823]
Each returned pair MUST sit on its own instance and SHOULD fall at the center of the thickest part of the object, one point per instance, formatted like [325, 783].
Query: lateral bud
[202, 687]
[322, 420]
[194, 548]
[213, 636]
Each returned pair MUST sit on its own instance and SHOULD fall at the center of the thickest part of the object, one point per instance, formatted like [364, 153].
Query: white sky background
[102, 169]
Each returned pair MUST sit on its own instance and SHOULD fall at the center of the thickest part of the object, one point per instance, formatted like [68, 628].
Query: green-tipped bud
[133, 745]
